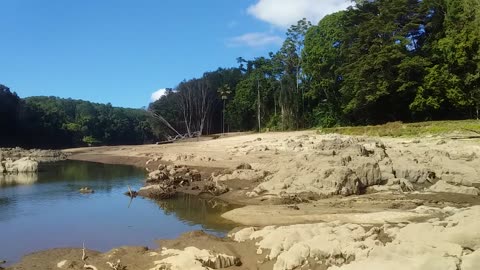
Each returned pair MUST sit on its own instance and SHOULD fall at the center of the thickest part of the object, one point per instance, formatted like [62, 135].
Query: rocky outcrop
[452, 242]
[194, 258]
[38, 155]
[21, 165]
[163, 182]
[341, 166]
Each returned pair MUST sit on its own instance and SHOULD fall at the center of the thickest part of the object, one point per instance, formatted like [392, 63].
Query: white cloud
[157, 94]
[284, 13]
[255, 40]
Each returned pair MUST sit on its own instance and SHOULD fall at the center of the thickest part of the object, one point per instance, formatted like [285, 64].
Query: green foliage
[90, 140]
[379, 61]
[399, 129]
[50, 122]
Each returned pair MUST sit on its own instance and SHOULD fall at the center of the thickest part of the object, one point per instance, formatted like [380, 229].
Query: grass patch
[399, 129]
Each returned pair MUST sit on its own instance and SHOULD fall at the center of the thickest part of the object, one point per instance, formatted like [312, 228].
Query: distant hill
[52, 122]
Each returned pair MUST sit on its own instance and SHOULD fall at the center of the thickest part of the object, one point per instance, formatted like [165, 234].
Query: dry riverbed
[312, 201]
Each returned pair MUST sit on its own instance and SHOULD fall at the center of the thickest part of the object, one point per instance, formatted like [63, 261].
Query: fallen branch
[91, 267]
[116, 266]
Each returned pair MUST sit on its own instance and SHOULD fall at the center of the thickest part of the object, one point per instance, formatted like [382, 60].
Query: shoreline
[268, 175]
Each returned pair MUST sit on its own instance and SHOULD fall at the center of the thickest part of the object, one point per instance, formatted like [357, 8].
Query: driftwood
[117, 266]
[131, 193]
[84, 259]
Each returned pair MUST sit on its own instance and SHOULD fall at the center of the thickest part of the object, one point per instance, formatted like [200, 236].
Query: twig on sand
[84, 258]
[116, 266]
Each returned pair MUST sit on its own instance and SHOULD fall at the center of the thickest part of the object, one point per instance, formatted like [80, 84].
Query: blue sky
[121, 51]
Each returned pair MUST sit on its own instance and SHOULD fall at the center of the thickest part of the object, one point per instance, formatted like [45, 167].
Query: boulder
[369, 174]
[341, 181]
[415, 174]
[157, 175]
[21, 165]
[215, 188]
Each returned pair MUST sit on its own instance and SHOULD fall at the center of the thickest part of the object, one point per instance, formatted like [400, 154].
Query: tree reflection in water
[197, 210]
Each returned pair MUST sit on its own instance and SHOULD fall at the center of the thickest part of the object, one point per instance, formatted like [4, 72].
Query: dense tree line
[51, 122]
[378, 61]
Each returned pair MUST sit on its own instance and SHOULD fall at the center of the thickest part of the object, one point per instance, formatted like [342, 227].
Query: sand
[316, 202]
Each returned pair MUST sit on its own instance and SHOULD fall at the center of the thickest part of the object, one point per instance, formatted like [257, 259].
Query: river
[46, 210]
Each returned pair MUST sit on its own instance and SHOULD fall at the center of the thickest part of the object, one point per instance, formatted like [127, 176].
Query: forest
[378, 61]
[51, 122]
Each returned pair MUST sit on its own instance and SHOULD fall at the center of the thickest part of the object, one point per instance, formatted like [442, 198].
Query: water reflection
[196, 210]
[18, 179]
[49, 212]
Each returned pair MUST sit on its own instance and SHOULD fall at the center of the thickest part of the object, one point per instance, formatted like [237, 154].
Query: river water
[46, 210]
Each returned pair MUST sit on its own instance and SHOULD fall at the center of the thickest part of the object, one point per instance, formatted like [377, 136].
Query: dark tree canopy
[51, 122]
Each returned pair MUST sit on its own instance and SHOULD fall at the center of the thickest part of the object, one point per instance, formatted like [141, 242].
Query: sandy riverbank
[360, 200]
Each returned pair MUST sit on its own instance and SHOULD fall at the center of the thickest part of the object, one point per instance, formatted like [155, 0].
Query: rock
[86, 190]
[157, 192]
[341, 181]
[244, 166]
[241, 174]
[215, 189]
[157, 176]
[442, 186]
[402, 183]
[369, 174]
[415, 174]
[194, 258]
[195, 176]
[21, 165]
[471, 261]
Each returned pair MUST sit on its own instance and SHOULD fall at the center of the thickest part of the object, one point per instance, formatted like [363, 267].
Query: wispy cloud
[255, 40]
[283, 13]
[157, 94]
[232, 24]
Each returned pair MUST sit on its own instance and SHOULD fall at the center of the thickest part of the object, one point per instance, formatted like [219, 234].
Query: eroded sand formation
[317, 202]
